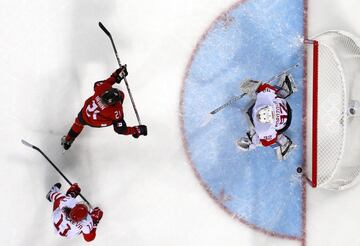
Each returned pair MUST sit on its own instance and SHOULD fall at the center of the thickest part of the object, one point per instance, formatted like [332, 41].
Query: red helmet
[79, 212]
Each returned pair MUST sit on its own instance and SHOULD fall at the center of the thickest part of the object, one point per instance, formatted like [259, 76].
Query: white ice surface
[51, 52]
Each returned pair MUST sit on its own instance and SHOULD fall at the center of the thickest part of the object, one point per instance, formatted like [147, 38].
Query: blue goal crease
[258, 39]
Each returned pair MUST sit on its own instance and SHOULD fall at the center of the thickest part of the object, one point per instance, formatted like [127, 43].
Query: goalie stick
[56, 168]
[236, 98]
[118, 60]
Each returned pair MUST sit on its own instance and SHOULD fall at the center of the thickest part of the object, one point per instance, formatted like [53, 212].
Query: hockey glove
[250, 87]
[96, 215]
[74, 190]
[140, 130]
[120, 73]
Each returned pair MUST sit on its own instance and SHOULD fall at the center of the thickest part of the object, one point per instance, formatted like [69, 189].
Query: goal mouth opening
[332, 64]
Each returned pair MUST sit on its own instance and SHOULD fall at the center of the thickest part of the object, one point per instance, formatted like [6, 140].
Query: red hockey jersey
[96, 113]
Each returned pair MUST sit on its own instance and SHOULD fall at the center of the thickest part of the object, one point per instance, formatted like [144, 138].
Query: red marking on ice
[226, 19]
[223, 197]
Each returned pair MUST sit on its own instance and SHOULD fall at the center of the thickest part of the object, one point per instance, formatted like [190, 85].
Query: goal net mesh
[333, 73]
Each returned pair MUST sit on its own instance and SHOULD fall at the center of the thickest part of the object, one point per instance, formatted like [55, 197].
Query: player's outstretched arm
[120, 127]
[120, 74]
[116, 77]
[96, 215]
[74, 190]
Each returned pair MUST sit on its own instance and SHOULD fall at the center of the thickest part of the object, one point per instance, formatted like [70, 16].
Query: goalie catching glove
[250, 87]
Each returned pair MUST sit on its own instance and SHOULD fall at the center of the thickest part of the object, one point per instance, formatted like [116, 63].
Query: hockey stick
[56, 168]
[231, 101]
[118, 60]
[236, 98]
[283, 72]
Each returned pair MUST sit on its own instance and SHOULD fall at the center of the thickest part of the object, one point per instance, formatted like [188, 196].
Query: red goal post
[332, 131]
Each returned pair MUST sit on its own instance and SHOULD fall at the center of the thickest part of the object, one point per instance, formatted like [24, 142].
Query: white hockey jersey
[268, 132]
[64, 226]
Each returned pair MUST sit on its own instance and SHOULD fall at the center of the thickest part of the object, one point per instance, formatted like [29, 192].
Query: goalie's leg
[243, 144]
[286, 86]
[249, 142]
[286, 146]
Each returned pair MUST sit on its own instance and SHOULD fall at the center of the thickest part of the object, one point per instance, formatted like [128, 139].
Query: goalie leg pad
[245, 144]
[249, 142]
[286, 146]
[286, 85]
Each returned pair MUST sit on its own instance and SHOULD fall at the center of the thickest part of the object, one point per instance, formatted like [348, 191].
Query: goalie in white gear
[270, 116]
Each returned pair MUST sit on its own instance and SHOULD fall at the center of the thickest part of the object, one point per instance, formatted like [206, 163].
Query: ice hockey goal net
[332, 142]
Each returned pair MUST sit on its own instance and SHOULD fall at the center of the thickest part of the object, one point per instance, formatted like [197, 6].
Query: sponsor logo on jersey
[281, 114]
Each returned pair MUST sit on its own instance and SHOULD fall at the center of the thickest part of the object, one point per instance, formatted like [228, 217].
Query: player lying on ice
[270, 116]
[70, 217]
[103, 109]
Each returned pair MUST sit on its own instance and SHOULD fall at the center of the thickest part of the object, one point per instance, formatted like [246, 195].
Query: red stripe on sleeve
[91, 236]
[266, 86]
[266, 143]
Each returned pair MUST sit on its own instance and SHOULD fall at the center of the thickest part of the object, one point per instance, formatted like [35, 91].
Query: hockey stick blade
[228, 103]
[210, 115]
[207, 119]
[104, 29]
[54, 166]
[283, 72]
[27, 143]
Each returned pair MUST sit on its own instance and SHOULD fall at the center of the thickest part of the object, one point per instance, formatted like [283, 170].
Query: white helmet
[265, 114]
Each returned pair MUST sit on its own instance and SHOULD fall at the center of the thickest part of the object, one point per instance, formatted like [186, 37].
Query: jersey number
[117, 115]
[57, 226]
[91, 110]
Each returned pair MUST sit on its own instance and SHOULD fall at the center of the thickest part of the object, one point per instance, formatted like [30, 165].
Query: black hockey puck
[299, 170]
[352, 111]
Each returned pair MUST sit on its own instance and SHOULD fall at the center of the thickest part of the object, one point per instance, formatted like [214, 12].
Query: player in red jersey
[70, 217]
[103, 109]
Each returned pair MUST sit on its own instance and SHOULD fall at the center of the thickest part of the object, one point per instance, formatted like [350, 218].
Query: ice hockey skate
[66, 143]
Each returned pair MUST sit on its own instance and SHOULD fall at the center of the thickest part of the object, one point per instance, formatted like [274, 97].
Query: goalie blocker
[270, 116]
